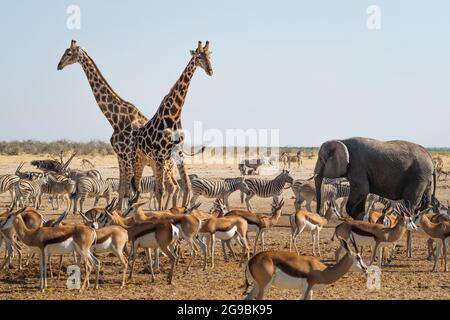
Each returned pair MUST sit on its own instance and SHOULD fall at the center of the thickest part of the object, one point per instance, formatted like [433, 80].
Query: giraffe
[123, 116]
[161, 137]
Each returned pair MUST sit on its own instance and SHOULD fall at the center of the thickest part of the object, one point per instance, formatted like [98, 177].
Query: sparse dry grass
[404, 279]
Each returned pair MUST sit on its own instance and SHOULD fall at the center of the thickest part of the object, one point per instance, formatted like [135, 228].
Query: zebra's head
[243, 186]
[70, 56]
[287, 177]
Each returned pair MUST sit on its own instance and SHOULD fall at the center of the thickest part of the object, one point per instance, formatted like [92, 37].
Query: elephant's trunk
[318, 181]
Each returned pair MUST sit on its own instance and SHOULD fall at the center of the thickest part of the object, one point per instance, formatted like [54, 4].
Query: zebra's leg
[75, 203]
[194, 198]
[247, 201]
[96, 201]
[12, 192]
[82, 198]
[225, 200]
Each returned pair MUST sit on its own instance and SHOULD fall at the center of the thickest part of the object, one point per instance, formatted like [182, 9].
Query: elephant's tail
[434, 184]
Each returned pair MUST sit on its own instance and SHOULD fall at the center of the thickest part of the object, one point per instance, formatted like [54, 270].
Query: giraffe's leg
[186, 183]
[139, 166]
[159, 184]
[129, 174]
[121, 183]
[172, 188]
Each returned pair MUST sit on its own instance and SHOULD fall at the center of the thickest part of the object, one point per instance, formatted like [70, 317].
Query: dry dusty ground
[403, 279]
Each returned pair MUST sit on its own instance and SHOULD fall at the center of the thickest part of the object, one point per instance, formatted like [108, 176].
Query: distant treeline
[94, 147]
[102, 148]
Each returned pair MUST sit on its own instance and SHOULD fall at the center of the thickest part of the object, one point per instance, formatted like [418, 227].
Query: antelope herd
[189, 230]
[122, 227]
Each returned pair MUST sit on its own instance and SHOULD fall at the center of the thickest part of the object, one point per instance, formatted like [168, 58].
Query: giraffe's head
[70, 56]
[202, 57]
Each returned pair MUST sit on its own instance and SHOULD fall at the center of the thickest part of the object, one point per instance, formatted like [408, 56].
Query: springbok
[258, 223]
[436, 231]
[310, 221]
[288, 270]
[57, 240]
[374, 235]
[148, 235]
[111, 238]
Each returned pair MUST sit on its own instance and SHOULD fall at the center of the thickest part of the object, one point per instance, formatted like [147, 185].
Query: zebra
[148, 185]
[304, 191]
[219, 189]
[56, 186]
[334, 191]
[114, 184]
[372, 199]
[287, 158]
[76, 174]
[27, 191]
[267, 188]
[90, 187]
[8, 183]
[182, 187]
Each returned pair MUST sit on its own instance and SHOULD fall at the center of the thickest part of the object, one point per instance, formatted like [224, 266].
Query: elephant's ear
[337, 160]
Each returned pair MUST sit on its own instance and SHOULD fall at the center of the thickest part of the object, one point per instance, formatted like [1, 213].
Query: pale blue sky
[310, 68]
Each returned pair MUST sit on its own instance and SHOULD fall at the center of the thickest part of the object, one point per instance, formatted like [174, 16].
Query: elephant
[391, 169]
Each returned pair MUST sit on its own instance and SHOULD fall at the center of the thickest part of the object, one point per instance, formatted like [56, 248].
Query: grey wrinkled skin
[392, 169]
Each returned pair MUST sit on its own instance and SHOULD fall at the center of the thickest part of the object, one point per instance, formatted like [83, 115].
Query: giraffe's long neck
[173, 102]
[116, 110]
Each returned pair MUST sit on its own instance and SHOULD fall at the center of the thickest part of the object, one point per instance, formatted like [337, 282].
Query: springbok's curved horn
[68, 161]
[19, 167]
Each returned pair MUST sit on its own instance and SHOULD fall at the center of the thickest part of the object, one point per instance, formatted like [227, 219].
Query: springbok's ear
[86, 219]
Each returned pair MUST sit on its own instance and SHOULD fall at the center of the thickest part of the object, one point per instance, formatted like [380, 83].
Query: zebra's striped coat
[219, 189]
[93, 188]
[267, 188]
[8, 183]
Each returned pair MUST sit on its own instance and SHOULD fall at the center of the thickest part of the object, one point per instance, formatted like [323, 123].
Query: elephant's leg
[357, 199]
[413, 194]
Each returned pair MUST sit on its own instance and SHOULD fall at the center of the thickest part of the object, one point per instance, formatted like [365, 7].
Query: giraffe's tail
[201, 150]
